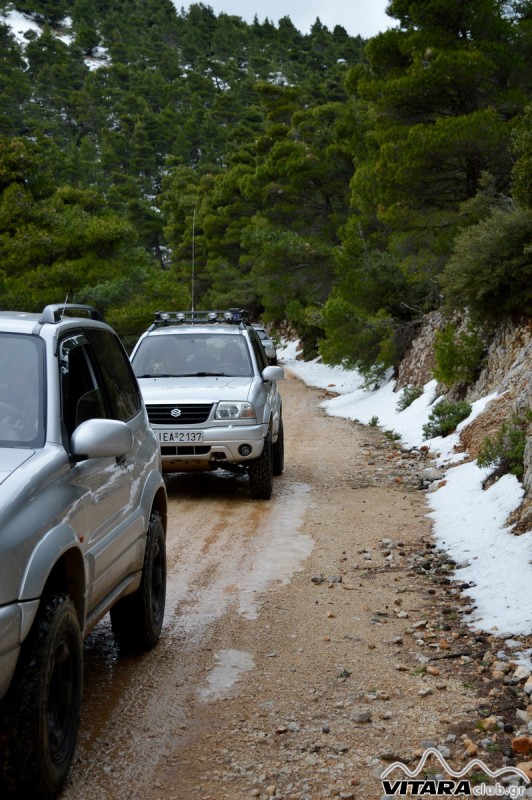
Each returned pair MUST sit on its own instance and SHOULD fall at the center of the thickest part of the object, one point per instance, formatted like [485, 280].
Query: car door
[112, 532]
[270, 387]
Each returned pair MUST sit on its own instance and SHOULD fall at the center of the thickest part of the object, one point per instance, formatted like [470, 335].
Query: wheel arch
[57, 565]
[160, 505]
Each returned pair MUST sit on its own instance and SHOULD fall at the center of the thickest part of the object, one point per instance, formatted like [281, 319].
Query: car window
[258, 349]
[81, 393]
[190, 354]
[22, 391]
[118, 378]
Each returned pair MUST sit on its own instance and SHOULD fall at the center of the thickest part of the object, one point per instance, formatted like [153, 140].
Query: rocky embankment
[507, 372]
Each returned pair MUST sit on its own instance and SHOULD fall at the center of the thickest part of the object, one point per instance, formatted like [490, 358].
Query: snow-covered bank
[468, 522]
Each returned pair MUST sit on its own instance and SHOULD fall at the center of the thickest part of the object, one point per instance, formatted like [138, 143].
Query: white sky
[358, 17]
[468, 522]
[363, 18]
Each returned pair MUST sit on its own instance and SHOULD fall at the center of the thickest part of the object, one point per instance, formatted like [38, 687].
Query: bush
[444, 418]
[408, 395]
[458, 356]
[506, 449]
[490, 271]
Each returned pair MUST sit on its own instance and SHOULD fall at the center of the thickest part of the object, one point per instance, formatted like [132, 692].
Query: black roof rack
[232, 316]
[55, 312]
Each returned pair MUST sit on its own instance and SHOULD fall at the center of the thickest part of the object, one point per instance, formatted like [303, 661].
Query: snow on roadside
[468, 521]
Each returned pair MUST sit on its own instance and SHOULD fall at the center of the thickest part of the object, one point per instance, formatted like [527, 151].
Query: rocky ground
[364, 660]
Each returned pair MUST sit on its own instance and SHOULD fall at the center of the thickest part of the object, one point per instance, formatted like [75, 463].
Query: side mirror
[273, 374]
[101, 438]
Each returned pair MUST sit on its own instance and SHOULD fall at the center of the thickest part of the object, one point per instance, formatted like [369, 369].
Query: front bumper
[220, 446]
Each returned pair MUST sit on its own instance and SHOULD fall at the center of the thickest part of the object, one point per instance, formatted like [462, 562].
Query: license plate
[180, 436]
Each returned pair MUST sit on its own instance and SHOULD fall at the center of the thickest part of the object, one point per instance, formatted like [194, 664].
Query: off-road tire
[261, 472]
[138, 618]
[40, 714]
[278, 451]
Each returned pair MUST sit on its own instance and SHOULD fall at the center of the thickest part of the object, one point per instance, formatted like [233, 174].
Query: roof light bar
[232, 316]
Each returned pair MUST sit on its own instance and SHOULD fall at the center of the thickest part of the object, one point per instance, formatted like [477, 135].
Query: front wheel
[40, 714]
[261, 473]
[138, 618]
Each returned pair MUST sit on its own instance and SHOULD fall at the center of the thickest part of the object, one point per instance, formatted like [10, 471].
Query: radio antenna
[193, 254]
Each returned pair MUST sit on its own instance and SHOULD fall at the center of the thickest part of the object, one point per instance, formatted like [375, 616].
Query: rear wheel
[138, 618]
[261, 472]
[40, 714]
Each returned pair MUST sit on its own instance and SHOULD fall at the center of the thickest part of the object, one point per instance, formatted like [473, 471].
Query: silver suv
[267, 343]
[82, 529]
[211, 395]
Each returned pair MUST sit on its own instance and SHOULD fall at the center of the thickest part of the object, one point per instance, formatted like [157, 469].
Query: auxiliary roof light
[232, 316]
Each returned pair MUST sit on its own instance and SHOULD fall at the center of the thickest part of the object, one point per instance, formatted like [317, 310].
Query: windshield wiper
[160, 375]
[207, 375]
[186, 375]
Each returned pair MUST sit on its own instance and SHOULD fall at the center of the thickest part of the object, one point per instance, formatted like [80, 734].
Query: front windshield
[21, 391]
[192, 355]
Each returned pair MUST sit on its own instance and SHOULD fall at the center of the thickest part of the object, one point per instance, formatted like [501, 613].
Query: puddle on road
[265, 546]
[283, 550]
[231, 665]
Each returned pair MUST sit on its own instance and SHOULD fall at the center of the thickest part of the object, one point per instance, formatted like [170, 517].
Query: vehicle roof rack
[232, 316]
[55, 312]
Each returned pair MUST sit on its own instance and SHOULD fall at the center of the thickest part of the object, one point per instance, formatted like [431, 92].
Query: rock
[364, 715]
[488, 724]
[522, 745]
[526, 767]
[432, 474]
[528, 686]
[471, 747]
[521, 673]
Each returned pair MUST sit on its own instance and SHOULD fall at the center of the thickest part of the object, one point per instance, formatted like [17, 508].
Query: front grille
[184, 450]
[193, 414]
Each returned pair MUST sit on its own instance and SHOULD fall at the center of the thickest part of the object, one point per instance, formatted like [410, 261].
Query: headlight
[236, 410]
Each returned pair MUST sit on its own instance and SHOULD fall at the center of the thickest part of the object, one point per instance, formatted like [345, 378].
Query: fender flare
[56, 544]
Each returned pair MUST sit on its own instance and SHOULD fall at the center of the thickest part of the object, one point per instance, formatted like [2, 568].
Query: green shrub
[458, 356]
[393, 436]
[408, 395]
[374, 421]
[490, 270]
[444, 418]
[506, 449]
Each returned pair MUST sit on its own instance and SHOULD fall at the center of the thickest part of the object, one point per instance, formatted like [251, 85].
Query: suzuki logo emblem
[175, 412]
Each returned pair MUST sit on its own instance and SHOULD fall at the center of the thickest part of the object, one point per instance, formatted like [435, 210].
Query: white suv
[211, 396]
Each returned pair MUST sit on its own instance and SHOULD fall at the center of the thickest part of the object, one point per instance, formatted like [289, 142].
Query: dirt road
[309, 641]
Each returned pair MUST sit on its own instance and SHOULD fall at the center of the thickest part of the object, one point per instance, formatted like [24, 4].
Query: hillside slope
[506, 372]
